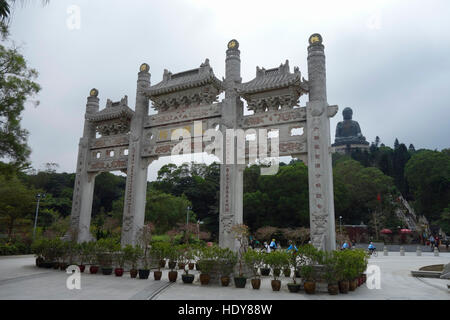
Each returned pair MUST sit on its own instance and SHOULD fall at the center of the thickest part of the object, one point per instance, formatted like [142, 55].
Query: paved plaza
[20, 279]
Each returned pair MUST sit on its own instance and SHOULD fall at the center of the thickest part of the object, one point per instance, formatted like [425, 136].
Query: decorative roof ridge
[274, 78]
[185, 80]
[112, 110]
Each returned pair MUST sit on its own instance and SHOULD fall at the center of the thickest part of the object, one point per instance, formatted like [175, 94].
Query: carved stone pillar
[231, 174]
[84, 182]
[320, 174]
[136, 184]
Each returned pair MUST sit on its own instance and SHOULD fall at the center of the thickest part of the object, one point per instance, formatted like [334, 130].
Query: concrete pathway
[20, 279]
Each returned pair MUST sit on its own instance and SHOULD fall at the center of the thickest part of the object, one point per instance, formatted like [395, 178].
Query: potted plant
[208, 256]
[91, 250]
[105, 252]
[277, 260]
[144, 239]
[158, 252]
[37, 247]
[132, 255]
[184, 257]
[172, 256]
[308, 273]
[241, 234]
[294, 263]
[226, 259]
[332, 275]
[119, 259]
[56, 251]
[342, 271]
[70, 253]
[83, 255]
[254, 260]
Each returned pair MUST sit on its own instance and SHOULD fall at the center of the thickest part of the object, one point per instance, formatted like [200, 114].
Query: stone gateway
[119, 138]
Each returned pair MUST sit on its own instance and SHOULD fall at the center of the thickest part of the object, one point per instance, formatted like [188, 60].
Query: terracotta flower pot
[343, 286]
[352, 284]
[118, 272]
[204, 278]
[256, 283]
[173, 276]
[225, 281]
[157, 275]
[82, 267]
[310, 287]
[93, 269]
[133, 273]
[333, 288]
[276, 285]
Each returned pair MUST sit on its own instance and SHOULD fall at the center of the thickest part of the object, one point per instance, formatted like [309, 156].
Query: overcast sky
[387, 60]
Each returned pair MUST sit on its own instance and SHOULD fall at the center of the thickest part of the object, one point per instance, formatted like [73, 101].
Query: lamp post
[38, 197]
[187, 216]
[340, 225]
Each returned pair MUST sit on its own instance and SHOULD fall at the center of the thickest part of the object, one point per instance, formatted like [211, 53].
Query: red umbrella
[386, 231]
[405, 231]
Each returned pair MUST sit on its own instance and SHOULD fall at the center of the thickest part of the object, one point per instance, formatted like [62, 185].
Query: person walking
[345, 245]
[431, 242]
[266, 247]
[436, 242]
[292, 247]
[273, 245]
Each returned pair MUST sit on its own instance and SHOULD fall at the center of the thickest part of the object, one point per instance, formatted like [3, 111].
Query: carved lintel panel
[110, 141]
[277, 117]
[184, 114]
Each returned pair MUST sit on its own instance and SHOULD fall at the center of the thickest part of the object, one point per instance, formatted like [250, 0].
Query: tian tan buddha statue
[348, 131]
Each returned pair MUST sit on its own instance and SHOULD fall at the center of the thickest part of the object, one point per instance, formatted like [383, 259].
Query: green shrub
[7, 249]
[277, 260]
[254, 259]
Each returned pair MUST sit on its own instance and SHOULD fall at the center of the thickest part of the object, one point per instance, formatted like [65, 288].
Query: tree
[16, 87]
[428, 176]
[166, 210]
[444, 221]
[358, 188]
[5, 8]
[16, 203]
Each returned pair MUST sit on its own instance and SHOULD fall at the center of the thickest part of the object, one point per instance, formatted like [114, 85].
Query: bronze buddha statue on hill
[348, 131]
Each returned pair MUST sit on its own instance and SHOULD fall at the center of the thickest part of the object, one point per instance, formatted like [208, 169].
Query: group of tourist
[271, 246]
[435, 242]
